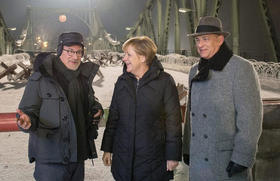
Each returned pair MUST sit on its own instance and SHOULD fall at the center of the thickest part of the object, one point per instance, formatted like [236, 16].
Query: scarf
[75, 92]
[217, 63]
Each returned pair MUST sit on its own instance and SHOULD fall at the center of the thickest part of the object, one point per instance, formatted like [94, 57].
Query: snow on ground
[14, 164]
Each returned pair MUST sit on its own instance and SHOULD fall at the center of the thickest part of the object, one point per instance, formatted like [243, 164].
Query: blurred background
[34, 25]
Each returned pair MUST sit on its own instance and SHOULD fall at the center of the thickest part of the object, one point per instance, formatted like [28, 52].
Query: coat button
[193, 134]
[66, 159]
[64, 118]
[205, 136]
[193, 114]
[204, 115]
[206, 159]
[49, 94]
[61, 99]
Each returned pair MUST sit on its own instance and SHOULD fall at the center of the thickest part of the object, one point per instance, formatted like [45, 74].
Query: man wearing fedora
[60, 112]
[224, 119]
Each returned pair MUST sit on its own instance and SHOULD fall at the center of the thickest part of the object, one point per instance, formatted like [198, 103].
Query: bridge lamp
[184, 10]
[45, 44]
[62, 18]
[12, 29]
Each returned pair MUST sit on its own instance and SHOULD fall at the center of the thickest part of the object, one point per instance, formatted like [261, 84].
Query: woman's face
[134, 62]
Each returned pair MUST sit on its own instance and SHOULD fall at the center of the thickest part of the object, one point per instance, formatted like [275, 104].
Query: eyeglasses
[79, 53]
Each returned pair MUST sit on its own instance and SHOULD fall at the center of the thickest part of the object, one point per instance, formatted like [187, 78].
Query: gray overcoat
[225, 121]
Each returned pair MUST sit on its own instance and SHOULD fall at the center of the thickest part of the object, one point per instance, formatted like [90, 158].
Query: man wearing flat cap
[60, 112]
[224, 119]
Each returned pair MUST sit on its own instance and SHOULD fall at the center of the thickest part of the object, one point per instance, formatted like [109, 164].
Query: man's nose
[75, 56]
[199, 43]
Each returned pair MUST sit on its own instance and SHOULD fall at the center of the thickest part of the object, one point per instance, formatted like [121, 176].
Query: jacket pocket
[48, 142]
[223, 155]
[50, 110]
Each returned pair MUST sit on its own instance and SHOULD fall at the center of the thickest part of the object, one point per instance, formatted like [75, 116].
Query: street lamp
[128, 28]
[45, 44]
[184, 10]
[62, 18]
[12, 29]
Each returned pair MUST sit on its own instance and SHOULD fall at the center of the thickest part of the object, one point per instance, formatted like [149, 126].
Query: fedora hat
[209, 25]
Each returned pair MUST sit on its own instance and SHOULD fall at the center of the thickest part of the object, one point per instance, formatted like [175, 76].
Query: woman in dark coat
[142, 139]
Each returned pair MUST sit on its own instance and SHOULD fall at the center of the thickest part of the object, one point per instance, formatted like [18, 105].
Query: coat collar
[88, 69]
[152, 73]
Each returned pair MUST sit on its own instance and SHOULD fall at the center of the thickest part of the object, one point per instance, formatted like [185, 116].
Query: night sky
[114, 14]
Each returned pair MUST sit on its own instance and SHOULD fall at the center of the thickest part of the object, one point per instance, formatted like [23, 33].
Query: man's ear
[221, 39]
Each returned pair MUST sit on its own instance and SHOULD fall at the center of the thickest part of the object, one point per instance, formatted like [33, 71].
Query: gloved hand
[234, 168]
[186, 159]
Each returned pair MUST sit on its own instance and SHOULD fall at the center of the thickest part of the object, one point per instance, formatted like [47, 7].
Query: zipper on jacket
[137, 85]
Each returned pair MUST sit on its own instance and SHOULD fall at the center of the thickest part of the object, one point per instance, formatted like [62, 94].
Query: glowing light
[184, 10]
[12, 29]
[62, 18]
[45, 44]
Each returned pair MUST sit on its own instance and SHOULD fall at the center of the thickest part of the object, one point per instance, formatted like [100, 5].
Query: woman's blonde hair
[142, 45]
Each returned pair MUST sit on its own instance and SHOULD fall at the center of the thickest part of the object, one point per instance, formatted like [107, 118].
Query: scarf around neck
[217, 63]
[74, 90]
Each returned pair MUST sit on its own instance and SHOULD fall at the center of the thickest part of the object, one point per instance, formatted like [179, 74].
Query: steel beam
[2, 41]
[166, 26]
[216, 4]
[159, 23]
[150, 26]
[235, 26]
[268, 30]
[177, 27]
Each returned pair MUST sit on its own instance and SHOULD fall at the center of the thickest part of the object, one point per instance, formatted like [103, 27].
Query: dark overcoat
[143, 130]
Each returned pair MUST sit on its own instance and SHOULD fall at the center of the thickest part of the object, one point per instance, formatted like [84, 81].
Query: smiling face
[71, 56]
[208, 45]
[135, 64]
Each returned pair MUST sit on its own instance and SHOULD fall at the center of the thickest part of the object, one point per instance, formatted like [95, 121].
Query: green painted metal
[200, 8]
[267, 28]
[177, 27]
[166, 26]
[159, 24]
[7, 43]
[150, 26]
[2, 41]
[139, 31]
[28, 43]
[188, 18]
[215, 7]
[235, 26]
[143, 25]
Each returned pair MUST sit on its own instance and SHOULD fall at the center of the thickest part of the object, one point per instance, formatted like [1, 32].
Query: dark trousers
[59, 172]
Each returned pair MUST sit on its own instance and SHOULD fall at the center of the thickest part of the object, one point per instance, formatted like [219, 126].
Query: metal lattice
[267, 69]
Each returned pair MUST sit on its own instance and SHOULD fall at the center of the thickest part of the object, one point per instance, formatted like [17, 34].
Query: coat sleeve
[187, 123]
[248, 106]
[173, 123]
[111, 124]
[31, 101]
